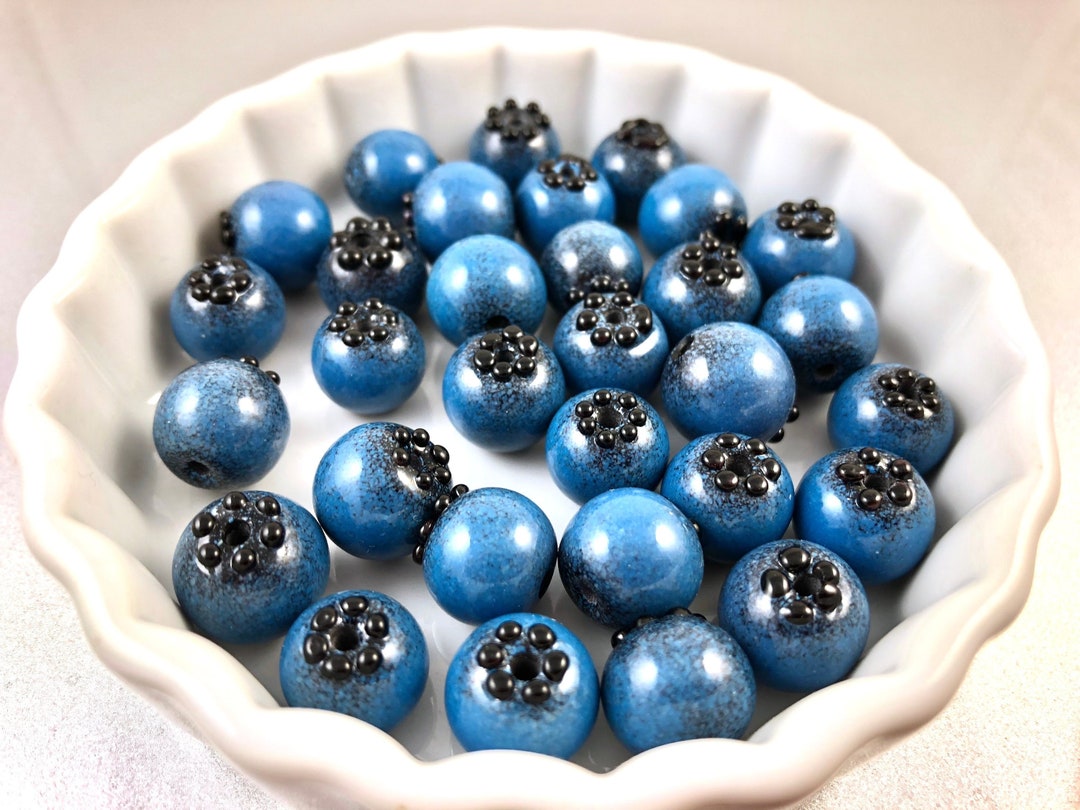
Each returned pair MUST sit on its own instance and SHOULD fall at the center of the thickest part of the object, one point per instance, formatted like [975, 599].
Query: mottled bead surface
[356, 652]
[798, 611]
[222, 423]
[634, 157]
[686, 201]
[384, 166]
[460, 199]
[583, 252]
[629, 553]
[247, 564]
[522, 681]
[512, 140]
[557, 194]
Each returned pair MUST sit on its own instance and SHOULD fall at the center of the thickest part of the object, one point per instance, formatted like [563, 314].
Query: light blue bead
[558, 194]
[631, 159]
[457, 200]
[502, 142]
[583, 252]
[383, 167]
[685, 202]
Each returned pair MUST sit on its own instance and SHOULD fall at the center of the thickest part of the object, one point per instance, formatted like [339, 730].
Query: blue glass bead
[634, 157]
[501, 388]
[490, 552]
[227, 307]
[281, 226]
[383, 167]
[826, 327]
[799, 239]
[686, 201]
[377, 485]
[368, 358]
[630, 553]
[523, 682]
[484, 282]
[728, 377]
[221, 423]
[457, 200]
[798, 611]
[606, 439]
[584, 254]
[360, 653]
[676, 678]
[735, 488]
[894, 408]
[247, 565]
[513, 140]
[559, 193]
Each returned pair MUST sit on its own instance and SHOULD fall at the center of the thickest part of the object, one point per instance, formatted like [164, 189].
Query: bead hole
[877, 481]
[197, 468]
[496, 322]
[525, 666]
[740, 465]
[505, 356]
[825, 371]
[345, 638]
[614, 316]
[609, 417]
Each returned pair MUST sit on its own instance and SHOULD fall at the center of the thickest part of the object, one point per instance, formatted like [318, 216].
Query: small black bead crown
[415, 454]
[567, 171]
[372, 320]
[370, 243]
[347, 638]
[911, 392]
[219, 280]
[741, 465]
[521, 662]
[227, 229]
[442, 503]
[602, 283]
[808, 220]
[248, 360]
[513, 122]
[610, 418]
[806, 588]
[506, 354]
[727, 227]
[237, 535]
[619, 636]
[878, 479]
[641, 133]
[616, 316]
[711, 260]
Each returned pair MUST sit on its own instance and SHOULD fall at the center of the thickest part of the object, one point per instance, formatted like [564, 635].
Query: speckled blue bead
[227, 307]
[799, 239]
[735, 488]
[356, 652]
[798, 611]
[559, 193]
[585, 253]
[870, 507]
[894, 408]
[630, 553]
[524, 682]
[247, 565]
[221, 423]
[368, 358]
[281, 226]
[457, 200]
[728, 377]
[484, 282]
[377, 485]
[686, 201]
[676, 678]
[634, 157]
[513, 140]
[501, 388]
[606, 439]
[490, 552]
[383, 167]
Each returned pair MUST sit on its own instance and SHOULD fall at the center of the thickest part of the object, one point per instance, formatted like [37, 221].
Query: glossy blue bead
[583, 253]
[728, 377]
[677, 678]
[383, 167]
[560, 193]
[894, 408]
[735, 488]
[221, 423]
[368, 358]
[606, 439]
[283, 227]
[686, 201]
[492, 551]
[247, 565]
[630, 553]
[360, 653]
[457, 200]
[513, 140]
[523, 682]
[799, 239]
[484, 282]
[634, 157]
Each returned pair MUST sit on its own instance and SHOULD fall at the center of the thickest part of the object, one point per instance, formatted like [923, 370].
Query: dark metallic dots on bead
[268, 505]
[234, 501]
[508, 631]
[316, 648]
[368, 660]
[541, 636]
[243, 560]
[513, 122]
[810, 220]
[913, 393]
[555, 665]
[202, 524]
[209, 555]
[872, 485]
[640, 133]
[324, 619]
[794, 559]
[567, 171]
[500, 684]
[354, 606]
[490, 656]
[506, 354]
[227, 229]
[272, 535]
[775, 583]
[366, 242]
[336, 667]
[797, 612]
[804, 588]
[536, 692]
[736, 462]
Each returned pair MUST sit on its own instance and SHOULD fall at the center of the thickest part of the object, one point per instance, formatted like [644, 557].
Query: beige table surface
[984, 95]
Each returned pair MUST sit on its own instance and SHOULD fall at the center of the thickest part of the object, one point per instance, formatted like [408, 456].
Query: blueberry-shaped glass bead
[588, 252]
[368, 358]
[383, 167]
[247, 565]
[686, 201]
[676, 677]
[606, 439]
[798, 611]
[558, 193]
[512, 140]
[524, 682]
[281, 226]
[501, 388]
[457, 200]
[377, 485]
[485, 282]
[634, 157]
[221, 423]
[728, 377]
[356, 652]
[894, 408]
[735, 489]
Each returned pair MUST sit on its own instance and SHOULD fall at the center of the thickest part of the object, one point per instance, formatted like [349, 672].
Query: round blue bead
[686, 201]
[383, 167]
[513, 140]
[558, 194]
[634, 157]
[583, 252]
[457, 200]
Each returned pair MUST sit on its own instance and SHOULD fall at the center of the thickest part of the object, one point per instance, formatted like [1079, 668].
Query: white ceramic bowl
[103, 514]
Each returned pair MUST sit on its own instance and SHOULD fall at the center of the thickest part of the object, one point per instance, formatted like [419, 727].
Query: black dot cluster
[237, 535]
[369, 243]
[567, 171]
[711, 261]
[804, 587]
[808, 220]
[415, 453]
[641, 133]
[610, 417]
[442, 503]
[507, 353]
[347, 638]
[372, 320]
[227, 229]
[741, 466]
[878, 479]
[616, 316]
[513, 122]
[247, 359]
[602, 283]
[219, 280]
[728, 227]
[911, 392]
[619, 636]
[521, 662]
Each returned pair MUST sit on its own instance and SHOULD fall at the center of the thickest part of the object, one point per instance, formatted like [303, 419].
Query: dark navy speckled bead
[557, 194]
[584, 252]
[686, 201]
[798, 611]
[524, 682]
[457, 200]
[629, 553]
[384, 166]
[247, 565]
[634, 157]
[356, 652]
[512, 140]
[674, 678]
[222, 423]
